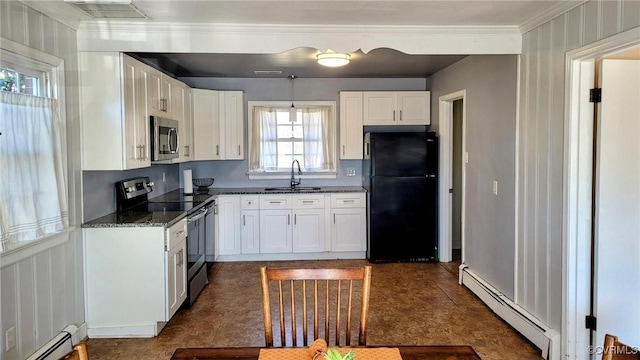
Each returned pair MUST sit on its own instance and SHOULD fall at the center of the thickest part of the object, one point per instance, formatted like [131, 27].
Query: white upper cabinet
[351, 125]
[396, 107]
[206, 125]
[232, 119]
[115, 121]
[183, 93]
[218, 125]
[161, 94]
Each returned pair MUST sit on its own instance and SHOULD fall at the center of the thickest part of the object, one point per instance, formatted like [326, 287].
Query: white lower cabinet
[148, 264]
[282, 226]
[348, 222]
[309, 231]
[228, 225]
[275, 231]
[176, 261]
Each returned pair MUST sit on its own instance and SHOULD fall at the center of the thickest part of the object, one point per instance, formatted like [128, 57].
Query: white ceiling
[301, 61]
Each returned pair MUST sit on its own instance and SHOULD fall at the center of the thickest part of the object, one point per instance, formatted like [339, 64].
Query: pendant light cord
[292, 77]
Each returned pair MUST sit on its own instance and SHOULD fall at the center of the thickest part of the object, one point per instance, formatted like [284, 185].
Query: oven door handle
[200, 215]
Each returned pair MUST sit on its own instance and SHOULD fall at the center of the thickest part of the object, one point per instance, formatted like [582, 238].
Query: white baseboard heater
[59, 346]
[545, 338]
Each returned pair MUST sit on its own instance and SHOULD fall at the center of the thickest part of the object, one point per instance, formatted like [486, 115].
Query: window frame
[55, 68]
[262, 175]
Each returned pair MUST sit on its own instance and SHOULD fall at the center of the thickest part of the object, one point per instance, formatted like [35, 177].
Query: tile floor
[411, 304]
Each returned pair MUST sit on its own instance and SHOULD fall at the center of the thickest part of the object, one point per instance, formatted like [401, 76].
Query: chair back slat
[336, 320]
[615, 350]
[304, 312]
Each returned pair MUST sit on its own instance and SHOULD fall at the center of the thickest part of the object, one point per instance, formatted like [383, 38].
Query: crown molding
[235, 38]
[550, 14]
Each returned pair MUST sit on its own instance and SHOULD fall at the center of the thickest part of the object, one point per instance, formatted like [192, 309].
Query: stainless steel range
[133, 195]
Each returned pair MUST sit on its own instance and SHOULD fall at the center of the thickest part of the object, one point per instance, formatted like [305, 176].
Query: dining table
[424, 352]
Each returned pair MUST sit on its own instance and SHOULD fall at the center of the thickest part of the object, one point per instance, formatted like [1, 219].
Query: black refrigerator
[401, 177]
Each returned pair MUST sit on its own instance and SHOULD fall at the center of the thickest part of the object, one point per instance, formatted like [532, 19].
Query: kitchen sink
[299, 188]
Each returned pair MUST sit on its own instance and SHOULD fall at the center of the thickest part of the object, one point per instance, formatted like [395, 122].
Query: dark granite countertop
[168, 218]
[285, 190]
[136, 219]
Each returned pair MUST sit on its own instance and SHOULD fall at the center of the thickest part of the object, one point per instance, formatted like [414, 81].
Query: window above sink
[280, 134]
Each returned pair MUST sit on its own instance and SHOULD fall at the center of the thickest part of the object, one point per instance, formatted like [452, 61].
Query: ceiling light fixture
[292, 109]
[333, 59]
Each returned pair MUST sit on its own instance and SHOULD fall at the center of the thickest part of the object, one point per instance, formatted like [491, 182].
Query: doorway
[452, 176]
[602, 187]
[456, 170]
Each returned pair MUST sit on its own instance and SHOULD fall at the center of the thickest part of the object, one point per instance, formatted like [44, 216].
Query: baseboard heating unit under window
[57, 347]
[548, 340]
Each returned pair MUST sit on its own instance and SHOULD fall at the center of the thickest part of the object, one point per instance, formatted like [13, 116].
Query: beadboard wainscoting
[42, 285]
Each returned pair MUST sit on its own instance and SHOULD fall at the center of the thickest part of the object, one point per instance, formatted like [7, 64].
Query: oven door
[196, 241]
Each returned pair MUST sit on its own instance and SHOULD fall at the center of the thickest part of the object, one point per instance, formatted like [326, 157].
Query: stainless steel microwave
[164, 138]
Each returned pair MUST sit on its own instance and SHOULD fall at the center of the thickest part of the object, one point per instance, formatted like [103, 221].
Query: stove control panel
[135, 187]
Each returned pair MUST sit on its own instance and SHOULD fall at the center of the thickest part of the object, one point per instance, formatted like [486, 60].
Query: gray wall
[491, 84]
[99, 191]
[541, 146]
[42, 292]
[231, 173]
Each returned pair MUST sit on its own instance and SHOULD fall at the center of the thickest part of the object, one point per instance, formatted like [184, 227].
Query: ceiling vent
[108, 9]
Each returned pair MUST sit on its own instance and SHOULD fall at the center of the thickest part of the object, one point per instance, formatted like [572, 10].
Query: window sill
[281, 175]
[32, 248]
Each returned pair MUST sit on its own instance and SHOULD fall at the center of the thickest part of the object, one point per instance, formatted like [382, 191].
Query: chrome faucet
[294, 183]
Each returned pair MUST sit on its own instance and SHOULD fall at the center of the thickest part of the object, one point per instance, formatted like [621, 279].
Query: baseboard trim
[545, 338]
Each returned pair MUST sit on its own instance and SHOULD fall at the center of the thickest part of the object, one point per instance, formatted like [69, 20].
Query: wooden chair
[615, 350]
[79, 352]
[327, 286]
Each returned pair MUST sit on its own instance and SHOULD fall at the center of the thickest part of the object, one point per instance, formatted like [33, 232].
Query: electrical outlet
[495, 187]
[351, 171]
[466, 157]
[10, 338]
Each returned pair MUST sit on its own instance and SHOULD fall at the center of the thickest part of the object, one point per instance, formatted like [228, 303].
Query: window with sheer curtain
[280, 134]
[33, 187]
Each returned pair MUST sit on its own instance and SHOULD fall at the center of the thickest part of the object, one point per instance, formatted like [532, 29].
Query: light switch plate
[351, 171]
[495, 187]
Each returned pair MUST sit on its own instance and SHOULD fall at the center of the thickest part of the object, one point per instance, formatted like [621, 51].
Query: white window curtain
[264, 140]
[316, 130]
[33, 195]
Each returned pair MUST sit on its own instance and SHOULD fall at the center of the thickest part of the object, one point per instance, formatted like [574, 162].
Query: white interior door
[617, 268]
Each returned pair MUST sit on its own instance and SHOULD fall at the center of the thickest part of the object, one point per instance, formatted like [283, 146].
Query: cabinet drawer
[249, 202]
[176, 233]
[280, 201]
[348, 200]
[308, 201]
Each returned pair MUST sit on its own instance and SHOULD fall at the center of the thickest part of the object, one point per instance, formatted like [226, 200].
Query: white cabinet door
[351, 124]
[308, 230]
[380, 108]
[232, 120]
[167, 85]
[397, 107]
[206, 125]
[228, 225]
[155, 102]
[349, 229]
[160, 95]
[184, 129]
[113, 109]
[275, 231]
[176, 277]
[250, 233]
[414, 108]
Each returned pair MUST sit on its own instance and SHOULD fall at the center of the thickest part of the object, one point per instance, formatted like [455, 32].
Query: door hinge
[450, 191]
[590, 322]
[595, 95]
